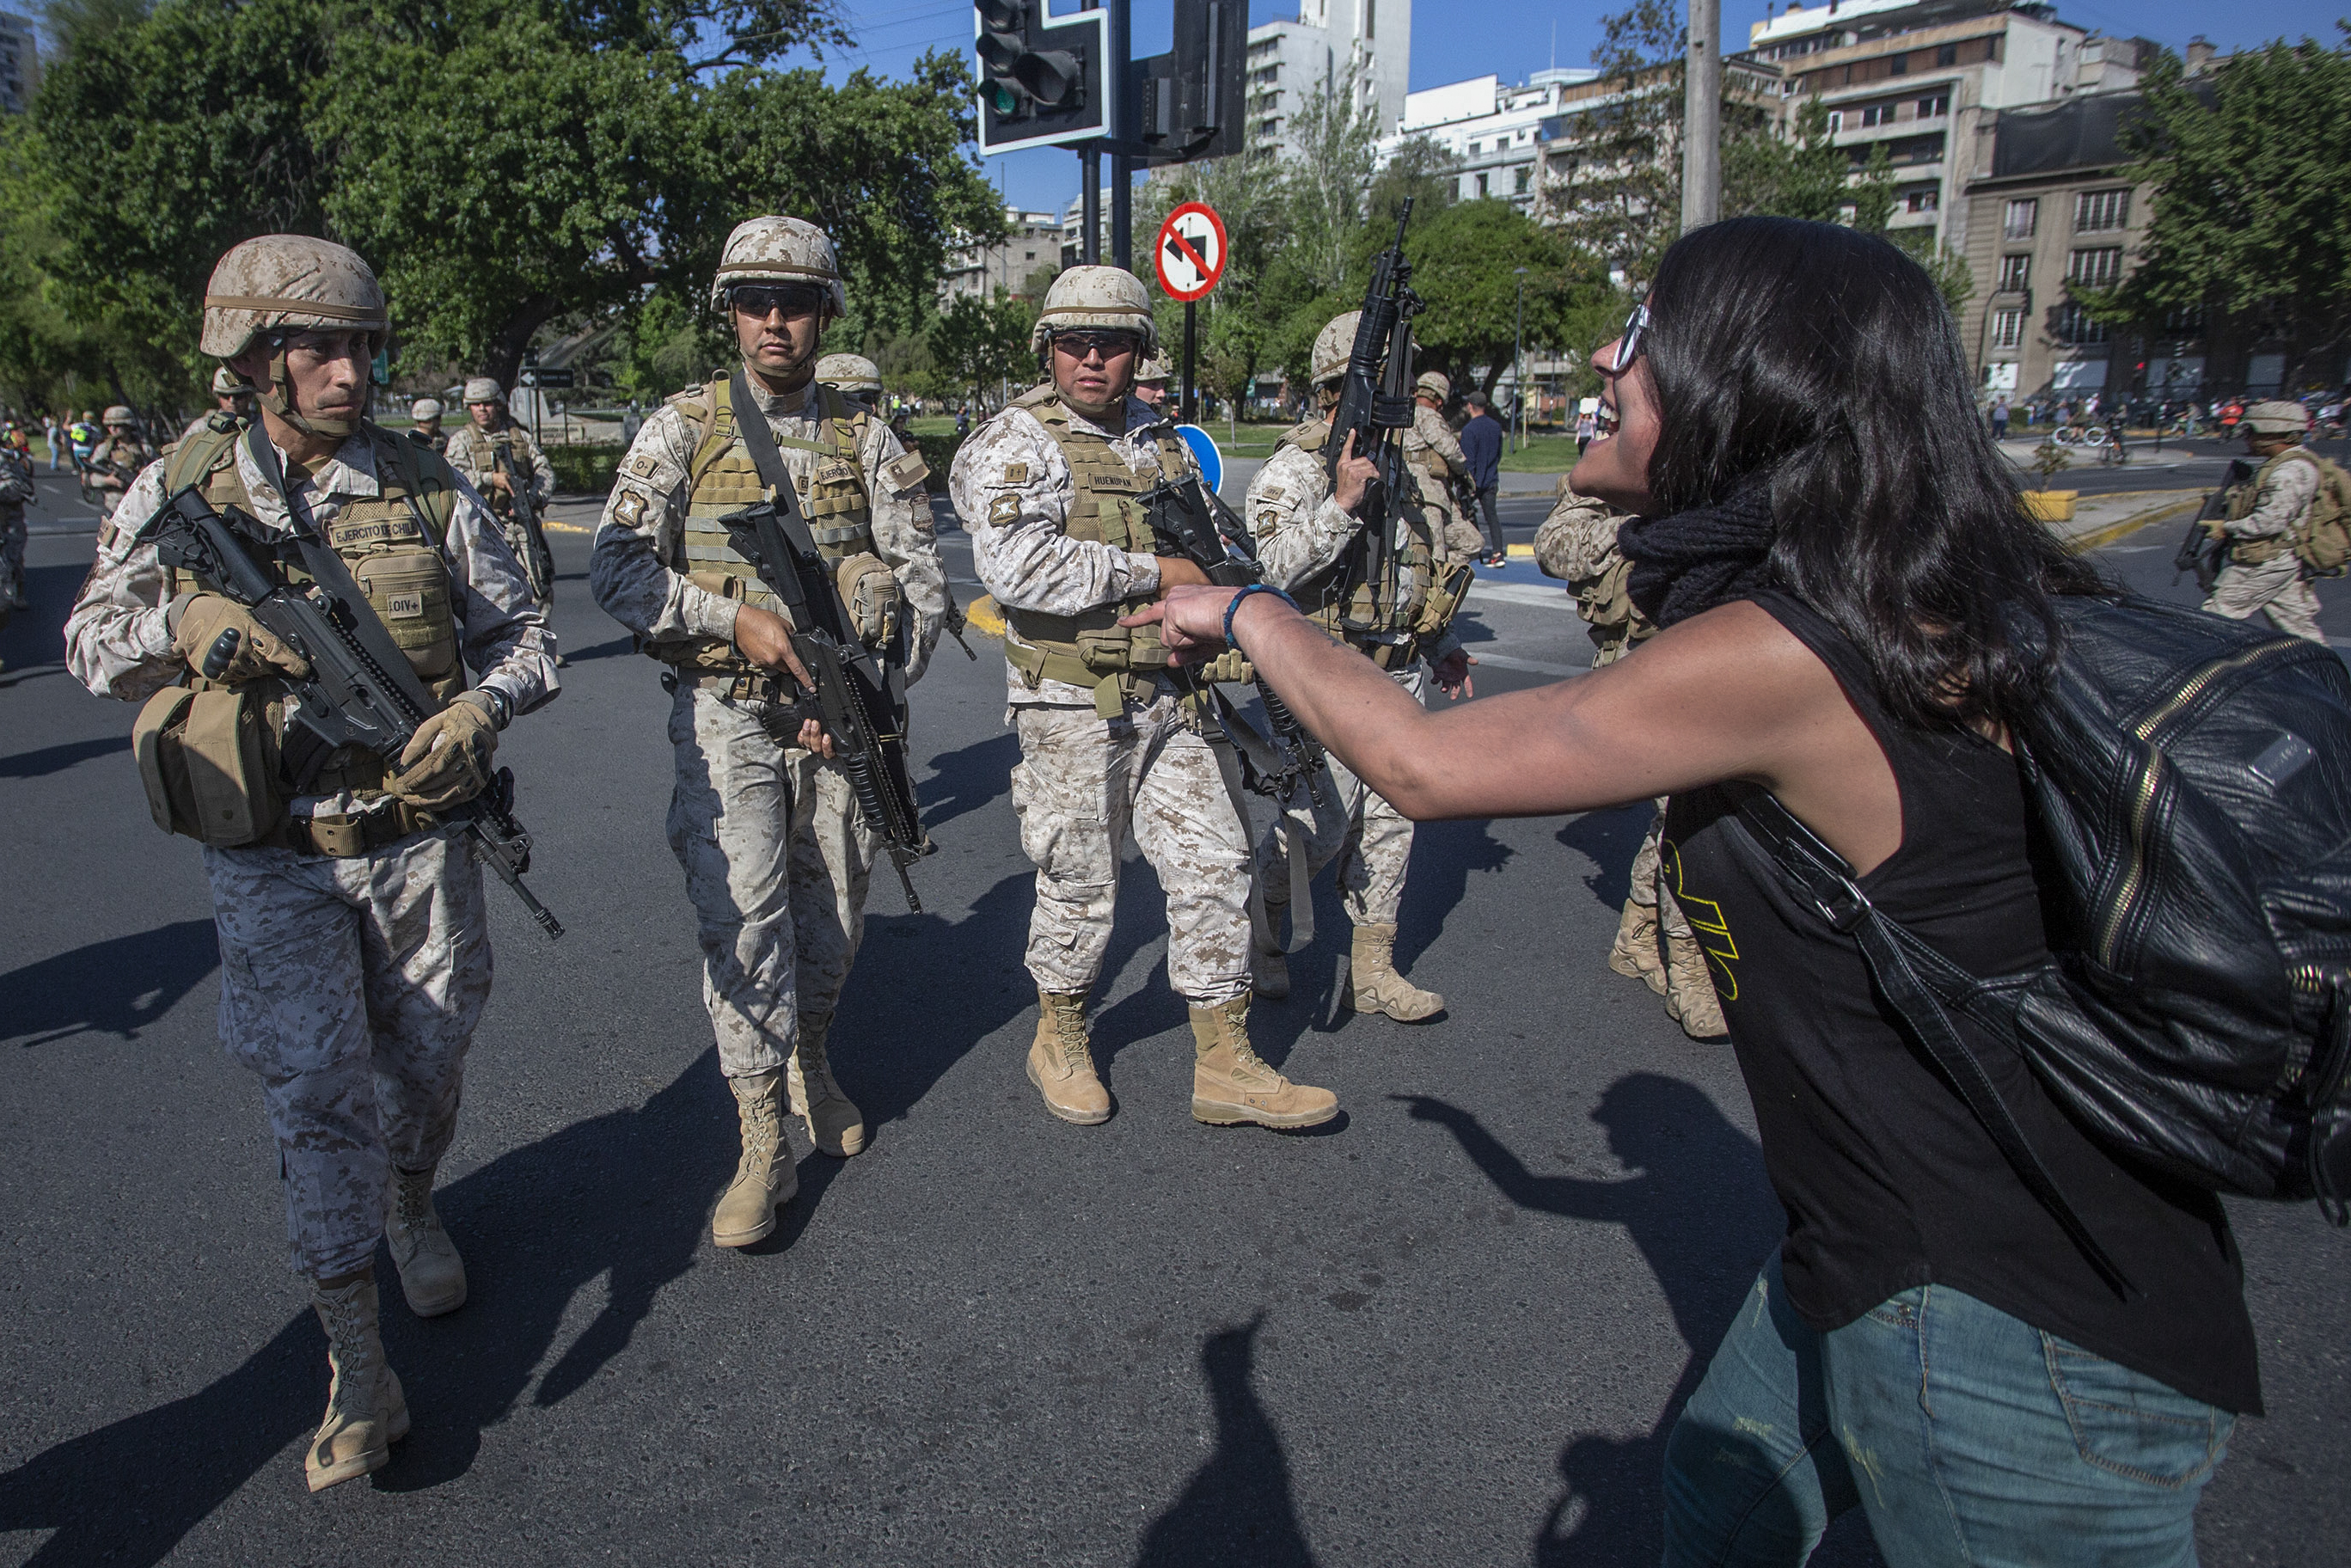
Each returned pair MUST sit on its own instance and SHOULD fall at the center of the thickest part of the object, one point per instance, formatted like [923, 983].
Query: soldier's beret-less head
[279, 285]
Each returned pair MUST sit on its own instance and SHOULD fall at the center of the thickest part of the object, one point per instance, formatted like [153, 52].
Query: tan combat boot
[432, 1275]
[1062, 1060]
[1634, 956]
[1379, 989]
[1690, 1000]
[835, 1124]
[766, 1178]
[1231, 1083]
[366, 1412]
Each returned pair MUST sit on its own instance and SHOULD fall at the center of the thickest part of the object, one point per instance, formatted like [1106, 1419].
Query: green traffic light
[1005, 101]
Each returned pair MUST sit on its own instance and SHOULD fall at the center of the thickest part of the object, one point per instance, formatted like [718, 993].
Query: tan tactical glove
[447, 760]
[871, 594]
[259, 653]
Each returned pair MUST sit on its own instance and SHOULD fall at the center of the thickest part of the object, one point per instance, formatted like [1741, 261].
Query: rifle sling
[325, 567]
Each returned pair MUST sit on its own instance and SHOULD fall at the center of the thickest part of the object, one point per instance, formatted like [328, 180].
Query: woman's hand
[1191, 621]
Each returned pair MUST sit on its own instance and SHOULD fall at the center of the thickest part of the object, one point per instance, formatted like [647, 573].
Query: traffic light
[1041, 79]
[1189, 100]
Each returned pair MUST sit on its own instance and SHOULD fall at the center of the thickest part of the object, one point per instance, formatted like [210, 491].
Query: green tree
[981, 345]
[1466, 264]
[1872, 195]
[1420, 168]
[1802, 176]
[1617, 189]
[2252, 215]
[1337, 131]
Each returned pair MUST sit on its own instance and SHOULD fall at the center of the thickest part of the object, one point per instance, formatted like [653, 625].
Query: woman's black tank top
[1888, 1180]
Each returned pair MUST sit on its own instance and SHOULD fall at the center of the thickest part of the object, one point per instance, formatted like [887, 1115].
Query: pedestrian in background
[1481, 446]
[2000, 419]
[1834, 550]
[51, 430]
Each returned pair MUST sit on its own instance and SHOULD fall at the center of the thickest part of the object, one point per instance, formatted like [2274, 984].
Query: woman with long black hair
[1836, 550]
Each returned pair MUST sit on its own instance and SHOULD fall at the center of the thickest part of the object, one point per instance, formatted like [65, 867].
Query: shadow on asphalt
[1609, 839]
[614, 649]
[1703, 1215]
[51, 760]
[967, 779]
[623, 1197]
[1237, 1507]
[116, 986]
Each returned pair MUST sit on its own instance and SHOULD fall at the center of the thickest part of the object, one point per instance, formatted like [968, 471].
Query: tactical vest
[1344, 600]
[384, 541]
[721, 478]
[1106, 507]
[2242, 501]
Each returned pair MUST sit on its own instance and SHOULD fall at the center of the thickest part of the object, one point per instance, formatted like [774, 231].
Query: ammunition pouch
[1448, 588]
[870, 592]
[344, 835]
[209, 760]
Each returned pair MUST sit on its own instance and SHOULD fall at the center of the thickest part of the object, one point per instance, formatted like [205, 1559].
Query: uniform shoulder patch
[643, 464]
[1016, 473]
[906, 470]
[1004, 511]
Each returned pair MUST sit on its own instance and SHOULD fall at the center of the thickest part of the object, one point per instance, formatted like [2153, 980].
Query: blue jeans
[1968, 1436]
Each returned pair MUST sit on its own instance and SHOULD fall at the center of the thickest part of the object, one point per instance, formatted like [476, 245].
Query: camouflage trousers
[351, 987]
[776, 864]
[12, 555]
[1650, 877]
[1371, 839]
[1082, 785]
[1447, 522]
[2276, 587]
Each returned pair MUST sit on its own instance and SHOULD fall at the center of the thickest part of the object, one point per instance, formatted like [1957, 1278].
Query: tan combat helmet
[484, 388]
[280, 284]
[849, 372]
[2275, 417]
[120, 413]
[227, 382]
[780, 250]
[425, 409]
[1155, 369]
[1331, 347]
[1109, 297]
[1432, 384]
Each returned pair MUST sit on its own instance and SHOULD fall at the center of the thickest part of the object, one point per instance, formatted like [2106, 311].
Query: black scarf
[1696, 558]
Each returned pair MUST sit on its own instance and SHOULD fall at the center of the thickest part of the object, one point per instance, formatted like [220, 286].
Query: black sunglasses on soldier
[1108, 344]
[767, 299]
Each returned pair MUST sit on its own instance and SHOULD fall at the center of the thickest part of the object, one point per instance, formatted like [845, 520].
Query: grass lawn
[1542, 454]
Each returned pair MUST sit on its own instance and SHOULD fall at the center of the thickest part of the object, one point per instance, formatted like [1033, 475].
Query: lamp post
[1517, 361]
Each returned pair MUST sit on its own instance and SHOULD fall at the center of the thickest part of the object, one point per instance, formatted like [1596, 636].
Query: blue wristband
[1244, 594]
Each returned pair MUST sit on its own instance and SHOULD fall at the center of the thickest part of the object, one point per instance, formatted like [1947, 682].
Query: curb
[983, 617]
[2098, 538]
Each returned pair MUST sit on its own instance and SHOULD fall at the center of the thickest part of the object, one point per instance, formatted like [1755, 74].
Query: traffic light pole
[1089, 201]
[1122, 180]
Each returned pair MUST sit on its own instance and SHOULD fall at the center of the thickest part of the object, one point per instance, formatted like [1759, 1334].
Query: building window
[2007, 328]
[2096, 211]
[2186, 322]
[1877, 114]
[1518, 178]
[1481, 185]
[1934, 107]
[1949, 55]
[2015, 274]
[2023, 214]
[2098, 268]
[1473, 148]
[1924, 199]
[2075, 327]
[1371, 18]
[1899, 65]
[1836, 120]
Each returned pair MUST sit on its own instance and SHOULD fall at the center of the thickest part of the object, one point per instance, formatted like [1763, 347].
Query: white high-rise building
[1288, 60]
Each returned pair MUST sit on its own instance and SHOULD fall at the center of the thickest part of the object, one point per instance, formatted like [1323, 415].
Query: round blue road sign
[1205, 453]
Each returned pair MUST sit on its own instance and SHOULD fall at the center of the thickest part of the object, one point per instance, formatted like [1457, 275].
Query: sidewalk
[2100, 520]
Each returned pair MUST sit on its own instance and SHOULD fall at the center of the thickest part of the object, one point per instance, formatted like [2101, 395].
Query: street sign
[1044, 80]
[1205, 453]
[1190, 251]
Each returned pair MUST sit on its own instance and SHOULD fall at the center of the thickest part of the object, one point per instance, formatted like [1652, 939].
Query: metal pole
[1191, 415]
[1121, 184]
[1090, 171]
[1517, 361]
[1702, 117]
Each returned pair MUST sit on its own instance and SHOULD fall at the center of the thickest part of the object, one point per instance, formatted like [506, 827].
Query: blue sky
[1452, 39]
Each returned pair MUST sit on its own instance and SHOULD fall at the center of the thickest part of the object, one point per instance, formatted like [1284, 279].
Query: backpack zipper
[2150, 783]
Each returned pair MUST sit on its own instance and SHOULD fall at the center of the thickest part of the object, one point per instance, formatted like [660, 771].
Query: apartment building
[20, 63]
[1004, 266]
[1289, 61]
[1926, 78]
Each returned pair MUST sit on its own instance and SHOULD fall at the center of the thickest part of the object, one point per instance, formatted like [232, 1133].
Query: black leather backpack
[2190, 778]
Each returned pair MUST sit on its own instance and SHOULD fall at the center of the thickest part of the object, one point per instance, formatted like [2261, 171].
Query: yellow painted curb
[984, 616]
[2098, 538]
[1526, 551]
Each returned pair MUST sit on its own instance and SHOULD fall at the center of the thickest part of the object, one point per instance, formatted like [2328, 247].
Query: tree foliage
[506, 165]
[2252, 215]
[1801, 176]
[981, 345]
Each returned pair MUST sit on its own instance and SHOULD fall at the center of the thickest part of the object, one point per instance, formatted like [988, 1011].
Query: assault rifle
[2199, 553]
[360, 691]
[538, 559]
[865, 712]
[1195, 522]
[1376, 396]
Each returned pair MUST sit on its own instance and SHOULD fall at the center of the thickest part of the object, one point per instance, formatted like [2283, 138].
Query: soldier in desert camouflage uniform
[355, 952]
[777, 856]
[473, 450]
[231, 404]
[117, 460]
[15, 490]
[425, 416]
[1050, 490]
[1577, 544]
[1434, 457]
[2264, 521]
[1308, 541]
[853, 374]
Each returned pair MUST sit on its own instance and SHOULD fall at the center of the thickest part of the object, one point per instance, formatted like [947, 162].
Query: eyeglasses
[1109, 345]
[764, 299]
[1628, 341]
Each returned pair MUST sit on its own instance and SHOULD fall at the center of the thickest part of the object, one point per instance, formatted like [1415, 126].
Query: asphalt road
[1453, 1326]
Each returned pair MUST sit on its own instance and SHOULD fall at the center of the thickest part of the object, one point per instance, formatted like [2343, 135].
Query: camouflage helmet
[780, 250]
[1104, 297]
[2275, 417]
[1331, 347]
[484, 389]
[1156, 369]
[119, 413]
[849, 372]
[424, 408]
[288, 281]
[1433, 384]
[227, 382]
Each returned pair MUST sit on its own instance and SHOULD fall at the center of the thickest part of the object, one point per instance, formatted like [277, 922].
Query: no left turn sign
[1190, 253]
